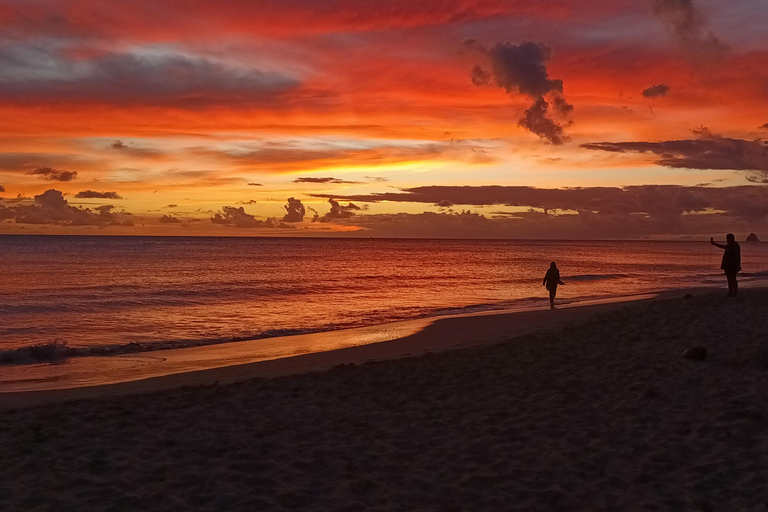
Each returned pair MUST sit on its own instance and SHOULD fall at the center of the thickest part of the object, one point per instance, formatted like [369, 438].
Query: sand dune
[601, 415]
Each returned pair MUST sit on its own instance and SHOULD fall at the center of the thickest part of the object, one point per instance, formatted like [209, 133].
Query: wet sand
[90, 377]
[601, 413]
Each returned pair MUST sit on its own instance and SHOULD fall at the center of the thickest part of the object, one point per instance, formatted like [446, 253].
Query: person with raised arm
[731, 263]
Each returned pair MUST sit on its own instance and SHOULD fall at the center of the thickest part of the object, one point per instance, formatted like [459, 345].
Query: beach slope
[604, 414]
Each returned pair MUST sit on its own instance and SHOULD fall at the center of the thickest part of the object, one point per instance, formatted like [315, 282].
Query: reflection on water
[106, 295]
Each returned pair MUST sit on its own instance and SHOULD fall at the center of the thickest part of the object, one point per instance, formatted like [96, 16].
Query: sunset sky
[463, 118]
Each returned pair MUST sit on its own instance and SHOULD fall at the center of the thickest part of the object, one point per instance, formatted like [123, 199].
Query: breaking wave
[58, 350]
[594, 277]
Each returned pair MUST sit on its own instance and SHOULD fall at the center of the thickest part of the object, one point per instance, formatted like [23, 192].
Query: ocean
[103, 295]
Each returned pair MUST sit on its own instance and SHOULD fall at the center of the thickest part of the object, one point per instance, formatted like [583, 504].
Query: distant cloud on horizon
[295, 210]
[323, 180]
[50, 207]
[239, 218]
[745, 201]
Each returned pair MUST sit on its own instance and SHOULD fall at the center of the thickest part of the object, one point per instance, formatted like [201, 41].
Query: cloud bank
[709, 152]
[50, 207]
[322, 180]
[237, 217]
[42, 70]
[52, 174]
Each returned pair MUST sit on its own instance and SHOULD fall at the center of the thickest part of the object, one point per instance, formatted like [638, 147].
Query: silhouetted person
[731, 264]
[551, 280]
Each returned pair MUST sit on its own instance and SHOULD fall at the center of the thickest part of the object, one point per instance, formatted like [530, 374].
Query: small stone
[695, 353]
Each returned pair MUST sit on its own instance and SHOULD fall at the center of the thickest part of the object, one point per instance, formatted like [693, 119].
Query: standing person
[551, 280]
[731, 264]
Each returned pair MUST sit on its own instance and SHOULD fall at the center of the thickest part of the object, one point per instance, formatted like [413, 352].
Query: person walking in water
[731, 264]
[551, 280]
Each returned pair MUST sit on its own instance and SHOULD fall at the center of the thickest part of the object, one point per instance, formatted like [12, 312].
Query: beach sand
[599, 414]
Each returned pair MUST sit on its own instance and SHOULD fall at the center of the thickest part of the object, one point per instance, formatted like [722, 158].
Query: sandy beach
[594, 413]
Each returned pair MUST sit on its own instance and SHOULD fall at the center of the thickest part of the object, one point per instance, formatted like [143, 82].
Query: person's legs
[552, 294]
[733, 285]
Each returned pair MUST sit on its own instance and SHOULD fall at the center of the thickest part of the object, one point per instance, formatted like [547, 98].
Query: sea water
[110, 295]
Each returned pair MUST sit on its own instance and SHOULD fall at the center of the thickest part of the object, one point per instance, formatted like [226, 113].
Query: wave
[760, 274]
[55, 350]
[718, 278]
[594, 277]
[58, 350]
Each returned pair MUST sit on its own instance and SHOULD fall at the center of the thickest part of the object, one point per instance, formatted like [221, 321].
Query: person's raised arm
[712, 241]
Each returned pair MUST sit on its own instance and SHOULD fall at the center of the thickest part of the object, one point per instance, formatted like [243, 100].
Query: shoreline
[99, 377]
[602, 413]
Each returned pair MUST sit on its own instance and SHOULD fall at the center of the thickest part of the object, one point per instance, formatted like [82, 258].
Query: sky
[389, 118]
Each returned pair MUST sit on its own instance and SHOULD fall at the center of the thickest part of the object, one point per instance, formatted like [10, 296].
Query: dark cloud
[322, 180]
[172, 205]
[31, 161]
[338, 211]
[445, 203]
[381, 179]
[539, 225]
[250, 201]
[586, 213]
[536, 121]
[5, 212]
[522, 69]
[709, 152]
[656, 91]
[2, 188]
[749, 202]
[118, 144]
[126, 78]
[52, 174]
[251, 184]
[50, 207]
[90, 194]
[691, 29]
[763, 126]
[237, 217]
[169, 219]
[295, 211]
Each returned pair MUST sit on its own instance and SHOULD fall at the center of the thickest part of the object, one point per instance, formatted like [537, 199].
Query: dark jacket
[731, 258]
[552, 279]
